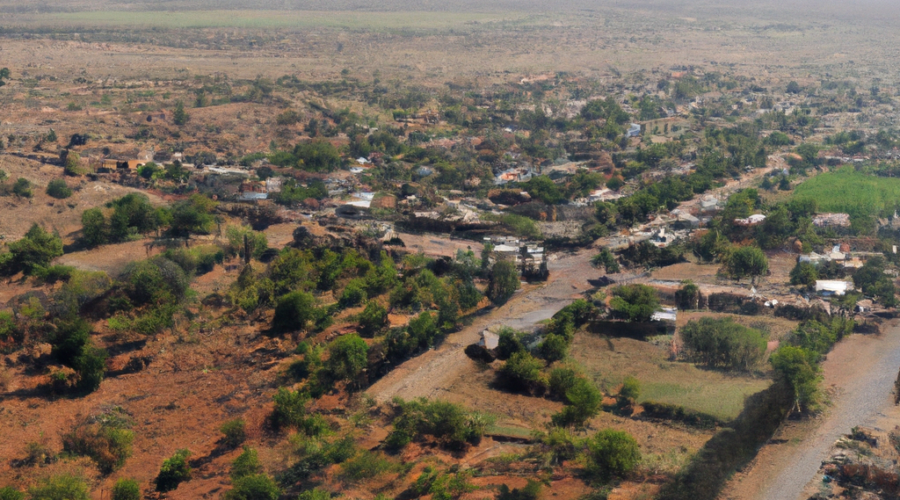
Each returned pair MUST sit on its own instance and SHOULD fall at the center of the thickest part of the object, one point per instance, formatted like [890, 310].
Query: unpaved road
[434, 371]
[860, 371]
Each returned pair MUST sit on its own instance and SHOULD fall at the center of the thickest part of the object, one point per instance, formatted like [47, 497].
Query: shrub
[628, 394]
[58, 189]
[449, 424]
[94, 231]
[354, 293]
[553, 348]
[107, 444]
[33, 252]
[612, 453]
[61, 487]
[561, 380]
[365, 465]
[255, 487]
[509, 342]
[246, 464]
[72, 165]
[634, 302]
[22, 188]
[233, 432]
[522, 372]
[8, 493]
[723, 343]
[347, 357]
[583, 402]
[290, 411]
[126, 489]
[294, 311]
[155, 281]
[315, 494]
[174, 471]
[531, 491]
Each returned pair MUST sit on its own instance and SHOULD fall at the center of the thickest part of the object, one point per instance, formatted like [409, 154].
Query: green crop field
[288, 19]
[847, 191]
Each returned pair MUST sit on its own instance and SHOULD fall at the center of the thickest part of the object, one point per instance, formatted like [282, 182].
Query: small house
[634, 130]
[833, 288]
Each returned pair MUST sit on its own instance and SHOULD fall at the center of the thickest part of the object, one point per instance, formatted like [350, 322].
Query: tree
[504, 281]
[294, 311]
[522, 372]
[192, 216]
[233, 432]
[612, 453]
[174, 471]
[22, 188]
[544, 189]
[180, 116]
[34, 251]
[804, 274]
[747, 261]
[630, 391]
[799, 369]
[58, 189]
[255, 487]
[583, 402]
[373, 319]
[347, 357]
[723, 343]
[793, 88]
[8, 492]
[553, 348]
[4, 76]
[126, 489]
[72, 165]
[634, 302]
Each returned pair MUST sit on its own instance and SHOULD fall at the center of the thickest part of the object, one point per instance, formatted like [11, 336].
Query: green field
[847, 191]
[287, 19]
[713, 392]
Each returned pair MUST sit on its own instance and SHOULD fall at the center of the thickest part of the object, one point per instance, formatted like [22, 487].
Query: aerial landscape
[512, 250]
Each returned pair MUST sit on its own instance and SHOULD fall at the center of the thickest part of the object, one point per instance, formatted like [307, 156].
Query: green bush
[290, 411]
[61, 487]
[155, 281]
[634, 302]
[255, 487]
[612, 453]
[126, 489]
[553, 348]
[365, 465]
[315, 494]
[354, 293]
[8, 493]
[509, 343]
[347, 357]
[294, 312]
[583, 402]
[373, 319]
[33, 252]
[504, 281]
[233, 432]
[630, 391]
[246, 464]
[22, 188]
[561, 380]
[58, 189]
[174, 471]
[522, 372]
[723, 343]
[531, 491]
[449, 424]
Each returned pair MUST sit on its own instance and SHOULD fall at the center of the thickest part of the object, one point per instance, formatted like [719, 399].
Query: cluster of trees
[606, 455]
[723, 343]
[312, 156]
[32, 254]
[447, 424]
[133, 215]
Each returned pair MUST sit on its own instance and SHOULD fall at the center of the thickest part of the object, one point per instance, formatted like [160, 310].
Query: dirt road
[434, 371]
[860, 371]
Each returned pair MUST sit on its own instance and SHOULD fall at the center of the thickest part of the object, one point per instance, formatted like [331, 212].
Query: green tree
[22, 188]
[799, 369]
[180, 116]
[634, 302]
[246, 464]
[347, 357]
[583, 402]
[553, 348]
[723, 343]
[747, 261]
[58, 189]
[793, 87]
[126, 489]
[233, 432]
[61, 487]
[294, 312]
[612, 453]
[4, 76]
[256, 487]
[504, 281]
[630, 391]
[8, 492]
[522, 372]
[373, 319]
[192, 216]
[72, 166]
[174, 471]
[34, 251]
[804, 274]
[544, 189]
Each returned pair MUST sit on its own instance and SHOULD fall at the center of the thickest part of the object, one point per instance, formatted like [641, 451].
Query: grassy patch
[848, 191]
[609, 361]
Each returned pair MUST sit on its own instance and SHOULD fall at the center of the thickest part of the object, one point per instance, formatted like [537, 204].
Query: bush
[531, 491]
[126, 489]
[315, 494]
[72, 165]
[246, 464]
[561, 380]
[347, 357]
[628, 394]
[290, 411]
[155, 281]
[365, 465]
[233, 432]
[354, 293]
[107, 444]
[612, 453]
[58, 189]
[61, 487]
[553, 348]
[8, 493]
[723, 343]
[255, 487]
[22, 188]
[509, 343]
[583, 402]
[449, 424]
[33, 252]
[174, 471]
[294, 311]
[522, 372]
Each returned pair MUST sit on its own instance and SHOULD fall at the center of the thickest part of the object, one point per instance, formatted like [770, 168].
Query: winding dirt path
[860, 372]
